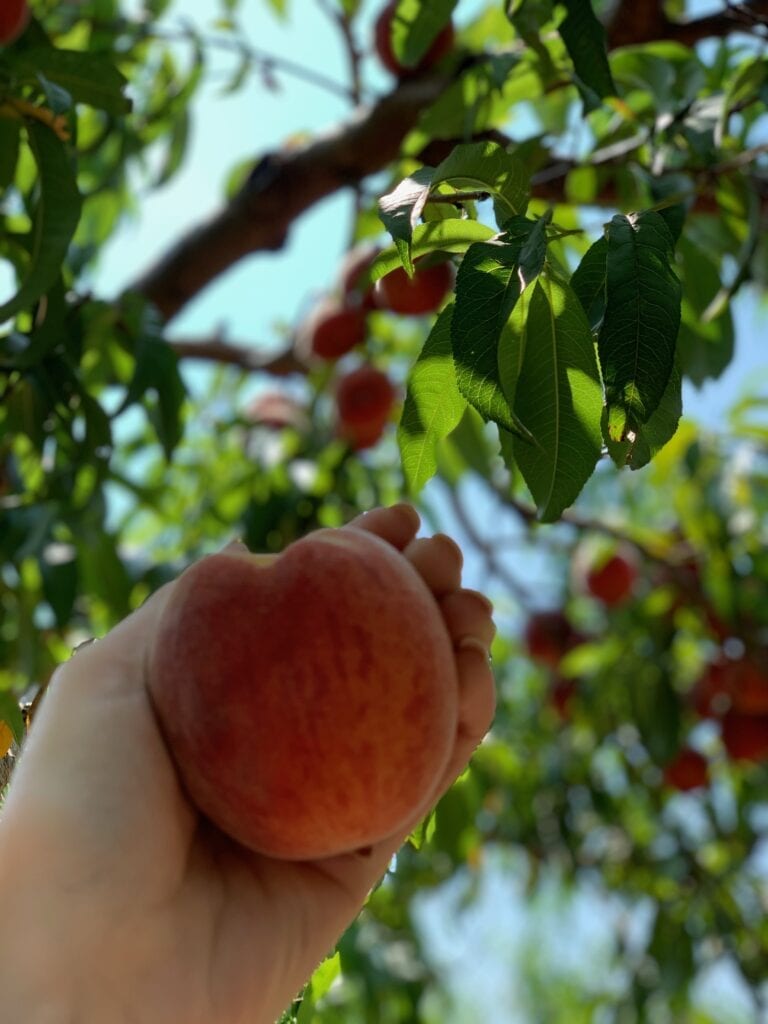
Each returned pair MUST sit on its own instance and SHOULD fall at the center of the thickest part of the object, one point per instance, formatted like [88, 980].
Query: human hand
[122, 902]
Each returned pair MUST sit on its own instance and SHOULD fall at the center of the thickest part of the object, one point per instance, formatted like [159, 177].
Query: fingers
[397, 524]
[467, 614]
[438, 560]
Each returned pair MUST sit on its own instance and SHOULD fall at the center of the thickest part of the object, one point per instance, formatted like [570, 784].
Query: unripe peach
[310, 699]
[331, 330]
[417, 295]
[364, 400]
[14, 17]
[440, 46]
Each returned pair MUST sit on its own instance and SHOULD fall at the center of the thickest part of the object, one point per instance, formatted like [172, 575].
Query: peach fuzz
[310, 699]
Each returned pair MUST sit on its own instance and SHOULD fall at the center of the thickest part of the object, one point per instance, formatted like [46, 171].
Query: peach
[687, 770]
[440, 46]
[310, 699]
[364, 400]
[414, 296]
[331, 330]
[612, 581]
[14, 17]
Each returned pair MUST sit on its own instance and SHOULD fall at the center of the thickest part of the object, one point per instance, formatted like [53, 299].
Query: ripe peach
[440, 46]
[364, 400]
[14, 17]
[687, 770]
[612, 581]
[548, 636]
[739, 684]
[355, 262]
[310, 699]
[423, 293]
[331, 330]
[745, 737]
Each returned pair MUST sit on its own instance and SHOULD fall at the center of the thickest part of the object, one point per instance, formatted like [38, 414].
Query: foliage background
[126, 451]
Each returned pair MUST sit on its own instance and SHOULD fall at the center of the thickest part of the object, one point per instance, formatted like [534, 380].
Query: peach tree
[555, 205]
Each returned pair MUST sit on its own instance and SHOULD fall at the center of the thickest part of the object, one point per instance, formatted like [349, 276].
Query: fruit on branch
[561, 695]
[276, 410]
[745, 737]
[354, 264]
[309, 699]
[687, 770]
[441, 45]
[14, 17]
[331, 330]
[612, 580]
[732, 683]
[549, 636]
[421, 294]
[364, 400]
[710, 696]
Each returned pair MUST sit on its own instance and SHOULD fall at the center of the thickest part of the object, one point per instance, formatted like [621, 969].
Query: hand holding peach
[97, 825]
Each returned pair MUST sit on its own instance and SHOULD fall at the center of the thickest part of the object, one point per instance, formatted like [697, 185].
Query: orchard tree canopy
[557, 207]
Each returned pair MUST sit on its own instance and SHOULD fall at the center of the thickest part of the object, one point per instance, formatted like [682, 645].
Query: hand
[119, 902]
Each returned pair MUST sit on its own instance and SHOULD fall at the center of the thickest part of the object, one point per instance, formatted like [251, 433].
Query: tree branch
[634, 23]
[283, 185]
[278, 364]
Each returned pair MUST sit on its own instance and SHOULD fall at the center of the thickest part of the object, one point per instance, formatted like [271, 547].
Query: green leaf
[558, 395]
[489, 167]
[433, 405]
[488, 285]
[56, 218]
[453, 235]
[589, 280]
[642, 317]
[649, 438]
[415, 25]
[10, 713]
[88, 77]
[10, 133]
[584, 38]
[60, 582]
[401, 209]
[705, 346]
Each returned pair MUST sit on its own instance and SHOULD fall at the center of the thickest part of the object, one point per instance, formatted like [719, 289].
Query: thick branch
[282, 363]
[634, 23]
[281, 187]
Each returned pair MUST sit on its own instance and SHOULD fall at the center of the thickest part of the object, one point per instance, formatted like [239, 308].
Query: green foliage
[604, 211]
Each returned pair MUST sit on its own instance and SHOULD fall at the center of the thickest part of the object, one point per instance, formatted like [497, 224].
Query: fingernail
[445, 539]
[472, 643]
[481, 599]
[235, 546]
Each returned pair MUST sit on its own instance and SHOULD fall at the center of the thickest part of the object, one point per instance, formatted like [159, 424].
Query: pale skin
[119, 903]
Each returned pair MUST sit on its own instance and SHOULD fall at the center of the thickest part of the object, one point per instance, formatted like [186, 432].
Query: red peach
[354, 264]
[331, 330]
[364, 400]
[440, 46]
[688, 770]
[612, 581]
[416, 296]
[745, 737]
[310, 699]
[14, 17]
[548, 636]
